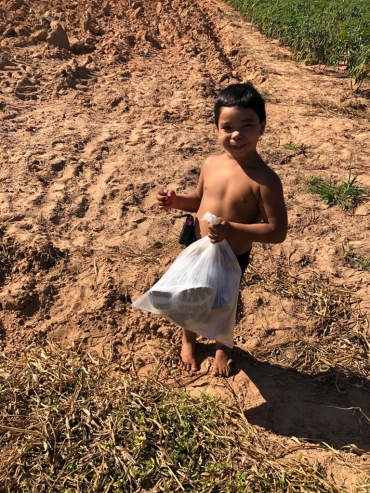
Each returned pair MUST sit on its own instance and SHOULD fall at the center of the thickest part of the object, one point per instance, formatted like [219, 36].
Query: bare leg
[223, 360]
[188, 361]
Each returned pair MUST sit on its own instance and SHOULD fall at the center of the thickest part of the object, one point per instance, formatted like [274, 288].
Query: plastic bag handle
[211, 218]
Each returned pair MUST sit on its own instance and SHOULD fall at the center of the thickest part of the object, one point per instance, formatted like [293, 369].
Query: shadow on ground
[331, 408]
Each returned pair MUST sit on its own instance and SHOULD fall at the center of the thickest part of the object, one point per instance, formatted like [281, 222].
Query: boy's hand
[219, 232]
[166, 198]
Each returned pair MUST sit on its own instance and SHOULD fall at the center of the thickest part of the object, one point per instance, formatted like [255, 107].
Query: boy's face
[239, 130]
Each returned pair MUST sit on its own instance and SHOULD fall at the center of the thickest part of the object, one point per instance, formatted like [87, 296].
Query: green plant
[347, 194]
[354, 259]
[326, 32]
[291, 147]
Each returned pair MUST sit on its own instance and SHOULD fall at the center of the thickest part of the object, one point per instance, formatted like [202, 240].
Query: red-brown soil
[99, 112]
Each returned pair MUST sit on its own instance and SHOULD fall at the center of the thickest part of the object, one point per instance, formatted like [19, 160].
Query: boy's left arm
[273, 211]
[274, 225]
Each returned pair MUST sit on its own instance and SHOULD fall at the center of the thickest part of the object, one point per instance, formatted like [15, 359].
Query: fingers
[163, 193]
[162, 202]
[215, 234]
[219, 232]
[213, 238]
[164, 198]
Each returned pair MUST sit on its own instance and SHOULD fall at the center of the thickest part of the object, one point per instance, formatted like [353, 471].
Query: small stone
[15, 5]
[77, 46]
[22, 31]
[89, 24]
[138, 12]
[223, 78]
[362, 210]
[46, 23]
[154, 326]
[165, 332]
[40, 35]
[58, 37]
[58, 165]
[9, 32]
[10, 301]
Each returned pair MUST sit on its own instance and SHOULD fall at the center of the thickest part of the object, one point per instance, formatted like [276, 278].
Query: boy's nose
[236, 134]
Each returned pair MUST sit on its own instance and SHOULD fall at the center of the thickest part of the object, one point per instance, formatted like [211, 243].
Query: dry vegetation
[73, 422]
[342, 348]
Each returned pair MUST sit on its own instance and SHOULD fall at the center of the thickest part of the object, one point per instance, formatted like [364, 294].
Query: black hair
[243, 95]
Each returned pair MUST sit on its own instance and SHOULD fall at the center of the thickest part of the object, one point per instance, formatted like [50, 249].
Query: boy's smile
[239, 130]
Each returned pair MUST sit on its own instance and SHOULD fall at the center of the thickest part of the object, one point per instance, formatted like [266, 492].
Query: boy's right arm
[187, 202]
[169, 199]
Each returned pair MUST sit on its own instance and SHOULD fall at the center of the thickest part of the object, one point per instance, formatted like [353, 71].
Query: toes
[223, 371]
[191, 367]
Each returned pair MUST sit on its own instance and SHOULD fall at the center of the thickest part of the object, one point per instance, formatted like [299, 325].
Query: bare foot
[223, 360]
[188, 360]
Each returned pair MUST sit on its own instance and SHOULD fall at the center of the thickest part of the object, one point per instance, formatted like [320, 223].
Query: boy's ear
[263, 126]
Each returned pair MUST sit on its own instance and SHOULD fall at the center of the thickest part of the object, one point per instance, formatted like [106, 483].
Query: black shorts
[243, 260]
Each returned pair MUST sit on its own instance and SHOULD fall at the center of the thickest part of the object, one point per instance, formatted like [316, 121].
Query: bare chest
[235, 189]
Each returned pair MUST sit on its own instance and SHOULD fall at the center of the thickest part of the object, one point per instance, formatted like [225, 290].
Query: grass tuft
[355, 260]
[346, 194]
[291, 146]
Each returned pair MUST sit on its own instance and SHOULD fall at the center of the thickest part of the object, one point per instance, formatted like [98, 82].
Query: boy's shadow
[331, 408]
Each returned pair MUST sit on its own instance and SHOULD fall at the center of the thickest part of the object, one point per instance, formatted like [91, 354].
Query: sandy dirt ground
[103, 102]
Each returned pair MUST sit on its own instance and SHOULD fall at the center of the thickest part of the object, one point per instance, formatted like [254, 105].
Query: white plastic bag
[199, 291]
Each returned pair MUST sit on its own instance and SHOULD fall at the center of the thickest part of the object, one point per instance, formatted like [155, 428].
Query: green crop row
[329, 32]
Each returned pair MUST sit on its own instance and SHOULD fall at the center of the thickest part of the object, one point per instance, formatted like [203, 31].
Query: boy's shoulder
[270, 172]
[212, 162]
[214, 159]
[268, 180]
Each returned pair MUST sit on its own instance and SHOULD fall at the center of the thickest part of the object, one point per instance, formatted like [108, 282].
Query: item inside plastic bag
[199, 291]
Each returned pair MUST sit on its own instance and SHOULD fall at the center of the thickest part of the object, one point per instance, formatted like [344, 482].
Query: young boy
[240, 189]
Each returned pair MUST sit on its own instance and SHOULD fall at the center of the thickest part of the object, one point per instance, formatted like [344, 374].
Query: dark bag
[187, 235]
